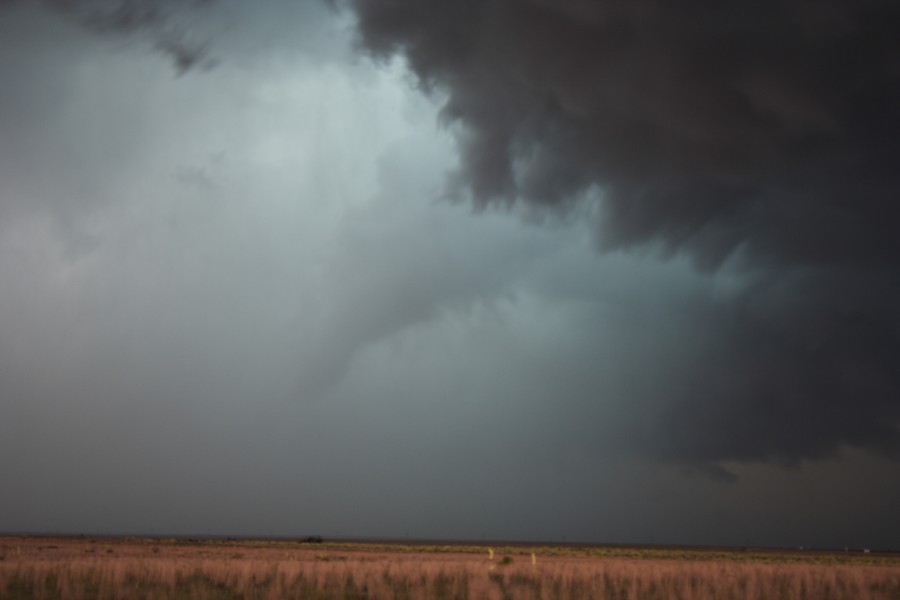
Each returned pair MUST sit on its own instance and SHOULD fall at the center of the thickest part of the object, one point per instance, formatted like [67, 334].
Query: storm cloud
[472, 270]
[758, 139]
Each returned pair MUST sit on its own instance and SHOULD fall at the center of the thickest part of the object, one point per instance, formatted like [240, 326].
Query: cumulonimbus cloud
[760, 133]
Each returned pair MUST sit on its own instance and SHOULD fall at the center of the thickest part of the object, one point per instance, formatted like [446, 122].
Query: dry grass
[147, 569]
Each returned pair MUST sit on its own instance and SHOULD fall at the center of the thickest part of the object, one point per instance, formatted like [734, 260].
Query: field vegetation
[150, 569]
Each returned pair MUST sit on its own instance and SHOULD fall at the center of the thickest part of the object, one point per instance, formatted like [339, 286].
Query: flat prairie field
[152, 568]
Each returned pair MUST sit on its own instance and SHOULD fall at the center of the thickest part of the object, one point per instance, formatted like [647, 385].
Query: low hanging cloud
[758, 141]
[759, 138]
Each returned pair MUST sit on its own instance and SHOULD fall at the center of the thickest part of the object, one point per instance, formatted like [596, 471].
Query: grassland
[150, 569]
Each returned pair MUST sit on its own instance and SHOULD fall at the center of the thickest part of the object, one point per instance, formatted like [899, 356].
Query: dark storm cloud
[152, 18]
[758, 136]
[229, 305]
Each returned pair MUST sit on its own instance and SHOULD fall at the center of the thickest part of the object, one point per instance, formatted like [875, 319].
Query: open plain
[155, 568]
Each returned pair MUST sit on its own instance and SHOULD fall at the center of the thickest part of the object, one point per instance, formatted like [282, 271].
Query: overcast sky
[515, 269]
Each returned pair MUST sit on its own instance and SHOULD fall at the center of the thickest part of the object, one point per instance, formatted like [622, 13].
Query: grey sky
[238, 297]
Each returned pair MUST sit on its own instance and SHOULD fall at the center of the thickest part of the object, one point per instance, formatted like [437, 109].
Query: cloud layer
[236, 300]
[751, 138]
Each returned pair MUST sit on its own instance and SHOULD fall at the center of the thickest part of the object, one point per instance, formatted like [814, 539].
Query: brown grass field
[106, 568]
